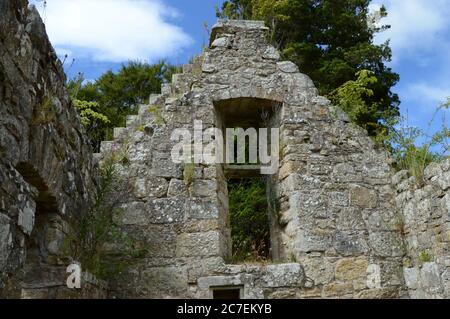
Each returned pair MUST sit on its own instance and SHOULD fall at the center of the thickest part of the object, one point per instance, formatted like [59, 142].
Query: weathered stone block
[201, 208]
[199, 244]
[350, 243]
[177, 187]
[26, 215]
[287, 67]
[221, 281]
[350, 218]
[386, 244]
[382, 293]
[284, 275]
[221, 42]
[338, 199]
[412, 277]
[352, 269]
[444, 181]
[150, 187]
[363, 197]
[320, 270]
[338, 289]
[307, 242]
[430, 277]
[161, 282]
[134, 213]
[160, 241]
[204, 188]
[163, 166]
[167, 210]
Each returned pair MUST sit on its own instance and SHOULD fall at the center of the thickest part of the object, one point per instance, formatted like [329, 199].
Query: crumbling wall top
[232, 26]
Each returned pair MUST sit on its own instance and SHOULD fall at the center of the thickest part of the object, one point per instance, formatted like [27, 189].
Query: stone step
[176, 78]
[107, 146]
[166, 89]
[131, 120]
[142, 108]
[187, 68]
[118, 132]
[154, 98]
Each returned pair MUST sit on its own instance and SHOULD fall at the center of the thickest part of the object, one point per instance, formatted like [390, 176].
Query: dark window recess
[223, 294]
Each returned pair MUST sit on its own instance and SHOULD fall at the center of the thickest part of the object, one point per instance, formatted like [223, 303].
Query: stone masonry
[47, 170]
[425, 210]
[342, 224]
[336, 230]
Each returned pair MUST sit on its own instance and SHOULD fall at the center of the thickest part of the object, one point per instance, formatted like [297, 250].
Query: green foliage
[189, 173]
[89, 115]
[249, 220]
[425, 257]
[96, 231]
[118, 95]
[354, 98]
[330, 41]
[413, 149]
[235, 9]
[45, 112]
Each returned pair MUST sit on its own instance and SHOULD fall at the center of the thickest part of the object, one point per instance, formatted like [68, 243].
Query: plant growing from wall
[97, 230]
[45, 112]
[156, 111]
[425, 257]
[413, 149]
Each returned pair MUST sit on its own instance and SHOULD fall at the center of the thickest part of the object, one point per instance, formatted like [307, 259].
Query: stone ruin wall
[46, 166]
[343, 229]
[337, 232]
[425, 208]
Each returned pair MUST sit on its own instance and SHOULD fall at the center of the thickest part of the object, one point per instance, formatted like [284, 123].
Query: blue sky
[101, 34]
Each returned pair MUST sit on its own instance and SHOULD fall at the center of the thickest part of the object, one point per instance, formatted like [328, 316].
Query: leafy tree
[94, 122]
[117, 95]
[331, 41]
[354, 97]
[92, 119]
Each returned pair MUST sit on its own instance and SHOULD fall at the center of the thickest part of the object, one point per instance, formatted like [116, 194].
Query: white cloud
[114, 30]
[416, 25]
[426, 92]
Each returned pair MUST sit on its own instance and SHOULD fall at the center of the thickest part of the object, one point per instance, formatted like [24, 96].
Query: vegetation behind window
[249, 220]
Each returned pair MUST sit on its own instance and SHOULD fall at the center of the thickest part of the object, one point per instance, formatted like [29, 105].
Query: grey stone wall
[337, 219]
[46, 166]
[341, 226]
[426, 215]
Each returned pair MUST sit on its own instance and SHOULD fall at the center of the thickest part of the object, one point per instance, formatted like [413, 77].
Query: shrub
[249, 220]
[89, 241]
[413, 149]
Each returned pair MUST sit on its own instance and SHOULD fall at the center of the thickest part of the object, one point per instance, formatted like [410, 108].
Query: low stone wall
[426, 216]
[56, 287]
[277, 281]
